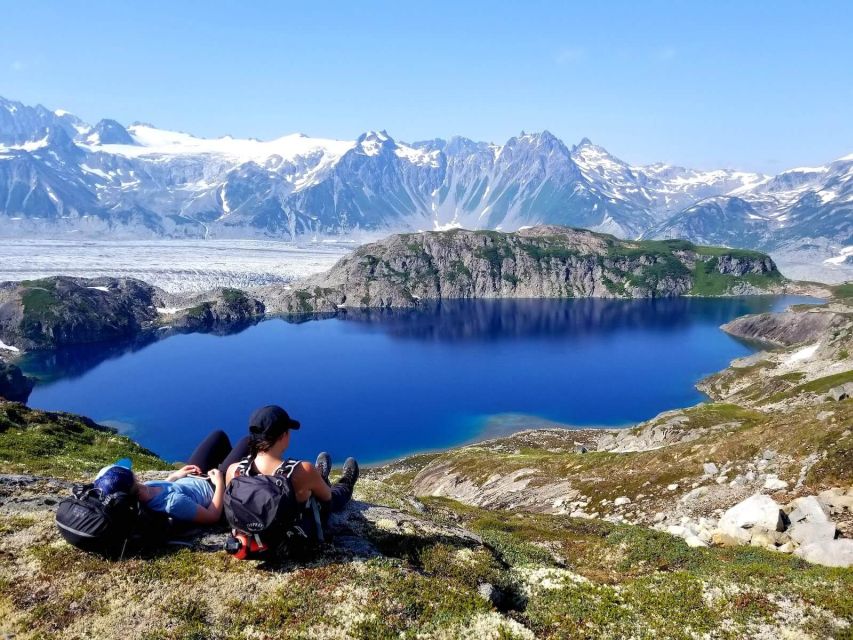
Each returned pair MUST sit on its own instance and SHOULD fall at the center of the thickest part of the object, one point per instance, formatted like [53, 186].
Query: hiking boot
[324, 465]
[350, 474]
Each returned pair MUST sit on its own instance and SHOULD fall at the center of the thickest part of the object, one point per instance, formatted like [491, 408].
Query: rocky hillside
[730, 519]
[61, 311]
[549, 550]
[539, 262]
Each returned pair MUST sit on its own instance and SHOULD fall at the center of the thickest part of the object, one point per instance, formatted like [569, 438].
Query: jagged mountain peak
[374, 143]
[109, 132]
[53, 166]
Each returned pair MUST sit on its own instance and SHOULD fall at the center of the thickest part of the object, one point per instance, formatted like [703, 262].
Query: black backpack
[94, 522]
[262, 510]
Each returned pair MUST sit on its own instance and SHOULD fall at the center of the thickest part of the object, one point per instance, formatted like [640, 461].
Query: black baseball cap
[271, 419]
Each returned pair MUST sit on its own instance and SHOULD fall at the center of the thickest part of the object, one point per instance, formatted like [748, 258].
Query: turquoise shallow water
[383, 384]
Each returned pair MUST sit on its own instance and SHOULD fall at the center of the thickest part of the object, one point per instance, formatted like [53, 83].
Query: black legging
[216, 451]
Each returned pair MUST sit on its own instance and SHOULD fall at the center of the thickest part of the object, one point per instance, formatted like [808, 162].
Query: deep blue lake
[382, 384]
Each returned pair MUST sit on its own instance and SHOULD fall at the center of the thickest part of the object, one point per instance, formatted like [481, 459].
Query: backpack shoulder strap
[244, 467]
[287, 467]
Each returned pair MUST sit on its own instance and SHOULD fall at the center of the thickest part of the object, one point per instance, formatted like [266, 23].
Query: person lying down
[193, 493]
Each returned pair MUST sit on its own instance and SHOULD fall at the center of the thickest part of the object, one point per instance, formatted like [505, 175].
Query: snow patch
[152, 142]
[104, 289]
[802, 354]
[844, 255]
[8, 347]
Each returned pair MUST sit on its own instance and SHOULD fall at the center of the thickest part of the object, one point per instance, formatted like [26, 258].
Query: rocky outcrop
[226, 310]
[813, 364]
[60, 311]
[510, 491]
[784, 329]
[539, 262]
[14, 385]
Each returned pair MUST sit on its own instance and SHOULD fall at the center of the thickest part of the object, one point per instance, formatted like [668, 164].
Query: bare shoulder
[304, 468]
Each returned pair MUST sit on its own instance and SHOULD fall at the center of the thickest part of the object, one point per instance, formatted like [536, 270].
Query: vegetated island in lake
[397, 272]
[732, 518]
[538, 262]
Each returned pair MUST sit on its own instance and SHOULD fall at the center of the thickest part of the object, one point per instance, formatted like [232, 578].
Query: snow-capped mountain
[808, 208]
[59, 174]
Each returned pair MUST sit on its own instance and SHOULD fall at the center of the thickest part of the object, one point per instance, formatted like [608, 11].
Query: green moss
[708, 281]
[663, 268]
[62, 444]
[457, 271]
[817, 386]
[394, 602]
[843, 291]
[494, 254]
[198, 312]
[303, 301]
[553, 249]
[648, 581]
[468, 567]
[39, 302]
[14, 523]
[234, 296]
[616, 288]
[739, 254]
[826, 383]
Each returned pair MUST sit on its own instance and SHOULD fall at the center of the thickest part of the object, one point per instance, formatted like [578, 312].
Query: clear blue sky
[755, 85]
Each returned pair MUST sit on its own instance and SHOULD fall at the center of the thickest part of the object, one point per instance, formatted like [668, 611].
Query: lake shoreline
[466, 371]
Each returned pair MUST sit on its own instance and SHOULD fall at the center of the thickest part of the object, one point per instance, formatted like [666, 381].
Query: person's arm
[231, 472]
[183, 472]
[213, 512]
[308, 482]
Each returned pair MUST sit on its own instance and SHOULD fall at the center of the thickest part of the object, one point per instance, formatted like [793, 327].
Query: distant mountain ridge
[59, 175]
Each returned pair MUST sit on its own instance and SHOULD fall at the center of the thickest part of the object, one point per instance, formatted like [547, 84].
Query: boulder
[698, 492]
[14, 385]
[772, 483]
[804, 533]
[808, 509]
[756, 511]
[694, 541]
[710, 469]
[730, 537]
[841, 392]
[489, 593]
[766, 538]
[622, 500]
[830, 553]
[836, 498]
